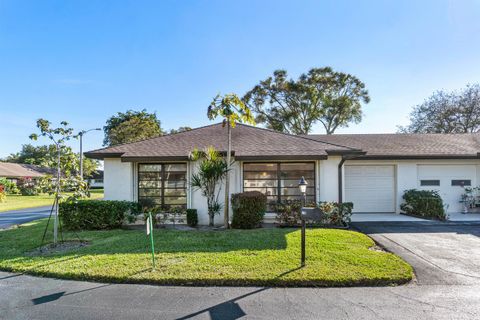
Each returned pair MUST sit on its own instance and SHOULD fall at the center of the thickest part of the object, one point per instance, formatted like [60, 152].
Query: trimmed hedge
[248, 209]
[335, 214]
[95, 214]
[192, 217]
[424, 203]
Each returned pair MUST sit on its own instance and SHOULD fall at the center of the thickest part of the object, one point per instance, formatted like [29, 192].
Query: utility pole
[80, 134]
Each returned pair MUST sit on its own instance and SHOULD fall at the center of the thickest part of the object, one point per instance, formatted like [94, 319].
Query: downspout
[340, 180]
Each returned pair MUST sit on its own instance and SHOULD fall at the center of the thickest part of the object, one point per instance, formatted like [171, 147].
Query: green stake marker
[150, 232]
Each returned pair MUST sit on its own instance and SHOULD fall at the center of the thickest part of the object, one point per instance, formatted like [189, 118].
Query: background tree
[322, 95]
[131, 126]
[447, 112]
[232, 110]
[211, 172]
[180, 129]
[46, 156]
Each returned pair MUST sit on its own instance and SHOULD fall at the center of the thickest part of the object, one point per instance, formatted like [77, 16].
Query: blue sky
[83, 61]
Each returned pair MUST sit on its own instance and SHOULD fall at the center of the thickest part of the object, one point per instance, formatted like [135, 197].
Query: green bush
[95, 214]
[27, 187]
[192, 217]
[335, 214]
[289, 212]
[248, 209]
[424, 203]
[9, 187]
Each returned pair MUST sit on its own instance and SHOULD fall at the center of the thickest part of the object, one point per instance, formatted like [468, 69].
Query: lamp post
[81, 134]
[302, 185]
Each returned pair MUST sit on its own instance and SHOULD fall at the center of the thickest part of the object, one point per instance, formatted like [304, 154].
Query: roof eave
[418, 157]
[281, 157]
[102, 156]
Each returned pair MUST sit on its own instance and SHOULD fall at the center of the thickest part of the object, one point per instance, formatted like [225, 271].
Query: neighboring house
[16, 171]
[95, 181]
[372, 171]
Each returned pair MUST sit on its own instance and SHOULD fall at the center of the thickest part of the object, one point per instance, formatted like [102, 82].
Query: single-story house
[370, 170]
[95, 180]
[16, 171]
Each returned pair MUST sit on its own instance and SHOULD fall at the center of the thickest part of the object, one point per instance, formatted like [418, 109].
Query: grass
[15, 201]
[268, 257]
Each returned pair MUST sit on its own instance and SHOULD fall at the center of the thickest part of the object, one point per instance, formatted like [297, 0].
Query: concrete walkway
[26, 297]
[14, 217]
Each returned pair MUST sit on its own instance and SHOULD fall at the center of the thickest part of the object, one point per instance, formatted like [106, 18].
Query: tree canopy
[180, 129]
[447, 112]
[46, 156]
[131, 126]
[322, 95]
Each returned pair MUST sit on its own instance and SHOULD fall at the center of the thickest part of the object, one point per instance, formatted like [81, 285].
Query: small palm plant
[208, 179]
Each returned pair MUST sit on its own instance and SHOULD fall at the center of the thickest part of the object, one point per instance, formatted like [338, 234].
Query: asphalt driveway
[441, 253]
[13, 217]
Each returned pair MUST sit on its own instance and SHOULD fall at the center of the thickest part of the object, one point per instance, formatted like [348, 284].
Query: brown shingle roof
[248, 143]
[17, 170]
[409, 145]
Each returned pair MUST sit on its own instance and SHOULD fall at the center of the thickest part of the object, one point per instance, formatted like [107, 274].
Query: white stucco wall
[199, 202]
[118, 180]
[328, 179]
[407, 176]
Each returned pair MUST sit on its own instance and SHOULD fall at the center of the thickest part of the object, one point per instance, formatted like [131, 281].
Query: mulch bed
[61, 247]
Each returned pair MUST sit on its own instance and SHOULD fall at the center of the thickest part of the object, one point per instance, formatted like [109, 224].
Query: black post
[303, 231]
[303, 243]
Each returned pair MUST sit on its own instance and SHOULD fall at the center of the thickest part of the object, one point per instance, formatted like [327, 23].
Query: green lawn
[236, 257]
[15, 202]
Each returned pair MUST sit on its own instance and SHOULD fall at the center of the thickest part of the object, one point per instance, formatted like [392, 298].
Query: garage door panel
[370, 188]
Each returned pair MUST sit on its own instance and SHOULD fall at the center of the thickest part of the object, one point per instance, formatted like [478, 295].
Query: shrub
[289, 212]
[9, 186]
[424, 203]
[27, 187]
[248, 209]
[3, 194]
[337, 214]
[95, 214]
[192, 217]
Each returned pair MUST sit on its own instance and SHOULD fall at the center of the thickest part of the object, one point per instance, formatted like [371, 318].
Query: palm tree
[212, 170]
[233, 110]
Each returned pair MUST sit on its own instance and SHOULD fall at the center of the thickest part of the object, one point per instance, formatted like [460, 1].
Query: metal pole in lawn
[302, 185]
[150, 231]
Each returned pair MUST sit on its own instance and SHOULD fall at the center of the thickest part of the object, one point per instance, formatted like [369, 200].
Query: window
[461, 183]
[165, 183]
[425, 183]
[279, 181]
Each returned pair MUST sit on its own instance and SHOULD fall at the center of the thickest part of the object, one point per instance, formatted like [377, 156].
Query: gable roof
[248, 143]
[18, 170]
[408, 146]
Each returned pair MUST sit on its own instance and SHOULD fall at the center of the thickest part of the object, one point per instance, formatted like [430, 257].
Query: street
[13, 217]
[26, 297]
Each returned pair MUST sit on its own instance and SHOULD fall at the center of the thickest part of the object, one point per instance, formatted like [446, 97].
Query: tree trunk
[227, 177]
[210, 219]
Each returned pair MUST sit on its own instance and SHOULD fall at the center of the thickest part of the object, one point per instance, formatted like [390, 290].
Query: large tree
[322, 95]
[131, 126]
[447, 112]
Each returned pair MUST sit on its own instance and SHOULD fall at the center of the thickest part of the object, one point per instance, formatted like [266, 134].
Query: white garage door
[370, 188]
[447, 179]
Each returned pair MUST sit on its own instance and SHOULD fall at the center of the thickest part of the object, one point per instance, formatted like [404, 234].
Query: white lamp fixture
[302, 185]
